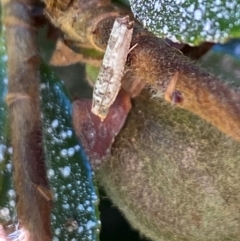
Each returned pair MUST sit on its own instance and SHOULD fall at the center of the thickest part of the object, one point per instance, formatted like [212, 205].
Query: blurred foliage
[232, 47]
[225, 63]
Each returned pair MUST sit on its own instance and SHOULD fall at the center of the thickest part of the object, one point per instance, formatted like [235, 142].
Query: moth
[108, 82]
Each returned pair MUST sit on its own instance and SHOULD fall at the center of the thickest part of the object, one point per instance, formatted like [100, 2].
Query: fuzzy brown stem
[202, 93]
[24, 112]
[210, 99]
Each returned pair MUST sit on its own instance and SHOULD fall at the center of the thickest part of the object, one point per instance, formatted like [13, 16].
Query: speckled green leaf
[75, 215]
[190, 21]
[7, 194]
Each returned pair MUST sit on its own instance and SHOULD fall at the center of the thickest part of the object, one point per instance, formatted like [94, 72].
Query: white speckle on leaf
[230, 4]
[157, 6]
[9, 167]
[220, 15]
[66, 206]
[144, 22]
[80, 229]
[55, 196]
[43, 86]
[57, 231]
[192, 38]
[89, 237]
[71, 151]
[63, 134]
[64, 152]
[51, 173]
[4, 58]
[207, 25]
[190, 8]
[66, 171]
[54, 124]
[5, 80]
[12, 203]
[165, 29]
[77, 147]
[197, 14]
[4, 212]
[55, 239]
[90, 224]
[94, 197]
[11, 193]
[81, 207]
[183, 26]
[2, 151]
[69, 133]
[10, 150]
[49, 130]
[89, 209]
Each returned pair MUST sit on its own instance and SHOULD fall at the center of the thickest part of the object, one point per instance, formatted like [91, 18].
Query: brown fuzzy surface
[202, 93]
[174, 176]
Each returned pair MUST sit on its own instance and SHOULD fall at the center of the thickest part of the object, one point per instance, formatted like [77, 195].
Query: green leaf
[7, 193]
[75, 214]
[192, 21]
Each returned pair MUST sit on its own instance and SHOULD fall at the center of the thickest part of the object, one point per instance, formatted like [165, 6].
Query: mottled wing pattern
[108, 82]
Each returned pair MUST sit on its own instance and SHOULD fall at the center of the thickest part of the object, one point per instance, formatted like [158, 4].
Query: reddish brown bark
[33, 210]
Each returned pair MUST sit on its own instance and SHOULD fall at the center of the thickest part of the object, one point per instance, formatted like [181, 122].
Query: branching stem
[154, 63]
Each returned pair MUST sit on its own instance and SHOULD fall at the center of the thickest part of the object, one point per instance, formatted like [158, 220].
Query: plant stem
[33, 209]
